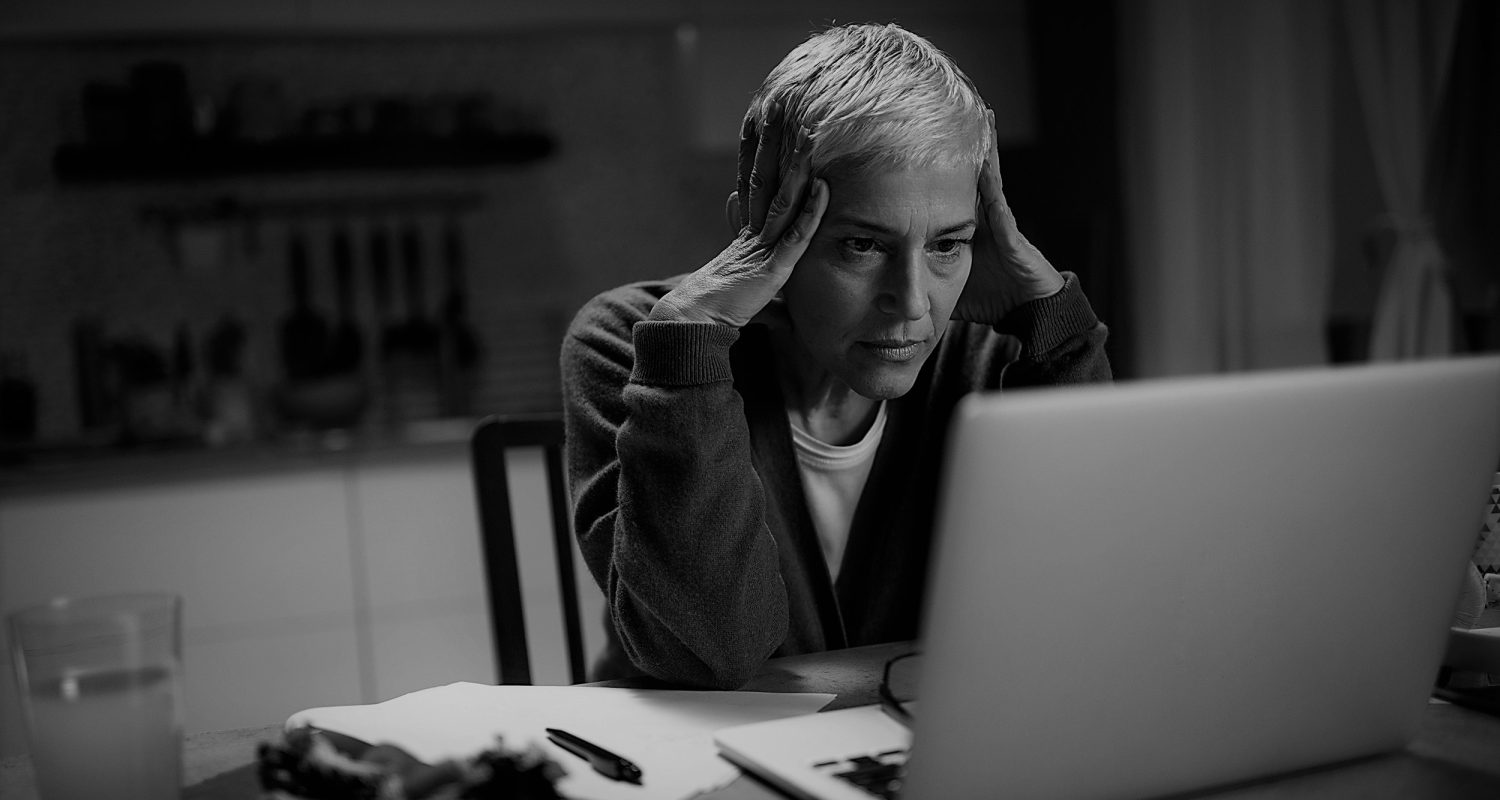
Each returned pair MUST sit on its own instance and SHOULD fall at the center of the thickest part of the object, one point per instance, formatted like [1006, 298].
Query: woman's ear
[732, 213]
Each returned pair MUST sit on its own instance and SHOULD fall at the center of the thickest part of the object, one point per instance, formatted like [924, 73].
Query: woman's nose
[905, 291]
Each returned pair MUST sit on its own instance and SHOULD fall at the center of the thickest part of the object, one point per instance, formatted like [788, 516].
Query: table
[1456, 753]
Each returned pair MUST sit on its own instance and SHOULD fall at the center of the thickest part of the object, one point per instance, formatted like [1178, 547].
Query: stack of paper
[667, 733]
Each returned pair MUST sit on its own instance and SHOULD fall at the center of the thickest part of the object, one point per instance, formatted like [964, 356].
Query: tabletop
[1456, 753]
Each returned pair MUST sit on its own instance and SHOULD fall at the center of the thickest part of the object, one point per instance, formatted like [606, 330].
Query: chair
[488, 445]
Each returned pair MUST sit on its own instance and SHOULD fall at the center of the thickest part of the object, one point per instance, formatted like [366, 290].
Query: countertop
[82, 466]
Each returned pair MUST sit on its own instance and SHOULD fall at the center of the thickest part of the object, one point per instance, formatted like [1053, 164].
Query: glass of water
[101, 689]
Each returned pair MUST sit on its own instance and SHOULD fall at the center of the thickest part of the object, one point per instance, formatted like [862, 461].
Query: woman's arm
[1062, 341]
[668, 509]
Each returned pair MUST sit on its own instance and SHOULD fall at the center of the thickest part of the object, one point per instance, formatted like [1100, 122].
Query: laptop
[1165, 586]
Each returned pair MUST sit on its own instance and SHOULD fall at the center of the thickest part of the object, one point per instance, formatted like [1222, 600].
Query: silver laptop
[1163, 586]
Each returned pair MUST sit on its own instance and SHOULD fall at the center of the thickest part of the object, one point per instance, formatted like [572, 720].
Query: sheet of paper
[667, 733]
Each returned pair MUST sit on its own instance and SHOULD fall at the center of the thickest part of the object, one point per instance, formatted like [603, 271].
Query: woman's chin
[886, 382]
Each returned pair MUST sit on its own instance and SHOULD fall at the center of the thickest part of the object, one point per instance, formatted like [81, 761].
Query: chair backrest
[492, 438]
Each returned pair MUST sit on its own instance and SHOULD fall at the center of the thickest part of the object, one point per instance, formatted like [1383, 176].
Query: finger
[993, 156]
[762, 184]
[793, 187]
[997, 211]
[748, 141]
[793, 243]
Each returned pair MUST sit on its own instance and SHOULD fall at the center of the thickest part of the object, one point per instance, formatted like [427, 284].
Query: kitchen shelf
[207, 158]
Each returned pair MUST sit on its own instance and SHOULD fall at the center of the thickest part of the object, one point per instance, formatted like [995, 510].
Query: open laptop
[1152, 588]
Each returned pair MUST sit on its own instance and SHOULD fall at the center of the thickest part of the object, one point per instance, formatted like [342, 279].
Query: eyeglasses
[892, 704]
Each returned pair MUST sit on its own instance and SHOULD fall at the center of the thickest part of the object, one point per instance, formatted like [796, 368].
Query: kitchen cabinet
[325, 579]
[261, 561]
[419, 552]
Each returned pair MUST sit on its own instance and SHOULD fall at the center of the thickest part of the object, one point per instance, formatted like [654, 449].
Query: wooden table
[1456, 753]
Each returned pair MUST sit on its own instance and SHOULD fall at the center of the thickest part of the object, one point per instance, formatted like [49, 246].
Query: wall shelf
[207, 158]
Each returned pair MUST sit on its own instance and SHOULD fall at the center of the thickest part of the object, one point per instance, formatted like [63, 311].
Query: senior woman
[753, 448]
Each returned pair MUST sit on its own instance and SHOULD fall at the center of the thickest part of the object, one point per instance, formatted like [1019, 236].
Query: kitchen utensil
[412, 368]
[161, 105]
[460, 345]
[257, 110]
[391, 333]
[17, 400]
[304, 332]
[346, 345]
[421, 334]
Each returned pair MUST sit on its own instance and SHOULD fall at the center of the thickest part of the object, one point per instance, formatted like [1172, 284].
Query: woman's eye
[950, 247]
[859, 246]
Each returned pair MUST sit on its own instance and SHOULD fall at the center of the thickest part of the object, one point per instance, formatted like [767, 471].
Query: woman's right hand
[777, 218]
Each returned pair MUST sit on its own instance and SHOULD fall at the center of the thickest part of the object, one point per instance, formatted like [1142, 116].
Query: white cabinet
[419, 558]
[419, 574]
[308, 581]
[261, 560]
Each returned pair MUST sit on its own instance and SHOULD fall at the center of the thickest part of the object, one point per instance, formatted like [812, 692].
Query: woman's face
[872, 295]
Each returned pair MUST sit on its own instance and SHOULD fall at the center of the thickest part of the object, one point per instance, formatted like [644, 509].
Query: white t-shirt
[833, 478]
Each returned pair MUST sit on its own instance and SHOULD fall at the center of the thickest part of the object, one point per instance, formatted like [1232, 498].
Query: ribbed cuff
[1046, 323]
[671, 353]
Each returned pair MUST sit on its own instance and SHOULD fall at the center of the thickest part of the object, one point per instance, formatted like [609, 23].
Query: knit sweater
[687, 501]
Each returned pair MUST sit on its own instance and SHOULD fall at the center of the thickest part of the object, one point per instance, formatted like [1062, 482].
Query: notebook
[1164, 586]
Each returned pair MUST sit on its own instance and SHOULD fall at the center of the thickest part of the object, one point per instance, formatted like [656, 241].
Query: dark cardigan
[687, 501]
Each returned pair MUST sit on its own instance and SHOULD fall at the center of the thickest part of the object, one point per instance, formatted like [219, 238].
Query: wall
[548, 236]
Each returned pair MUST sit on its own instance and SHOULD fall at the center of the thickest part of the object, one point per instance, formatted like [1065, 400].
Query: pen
[604, 762]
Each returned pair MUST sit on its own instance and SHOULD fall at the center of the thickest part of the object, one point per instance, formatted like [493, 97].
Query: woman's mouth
[893, 350]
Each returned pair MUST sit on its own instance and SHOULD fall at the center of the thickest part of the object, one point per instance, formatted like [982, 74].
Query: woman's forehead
[944, 195]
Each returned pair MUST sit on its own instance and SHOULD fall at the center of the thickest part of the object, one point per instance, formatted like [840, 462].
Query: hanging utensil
[346, 344]
[391, 333]
[421, 334]
[304, 332]
[463, 343]
[460, 345]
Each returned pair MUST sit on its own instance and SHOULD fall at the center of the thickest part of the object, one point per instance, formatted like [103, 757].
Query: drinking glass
[100, 680]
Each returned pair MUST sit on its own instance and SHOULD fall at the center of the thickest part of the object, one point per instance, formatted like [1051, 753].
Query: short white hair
[875, 96]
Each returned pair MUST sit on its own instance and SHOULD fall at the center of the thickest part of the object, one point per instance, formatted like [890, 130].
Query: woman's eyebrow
[886, 230]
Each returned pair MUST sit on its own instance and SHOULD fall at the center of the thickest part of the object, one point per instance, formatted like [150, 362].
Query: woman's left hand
[1008, 270]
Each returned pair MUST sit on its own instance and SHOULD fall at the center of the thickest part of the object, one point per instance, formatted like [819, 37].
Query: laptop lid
[1150, 588]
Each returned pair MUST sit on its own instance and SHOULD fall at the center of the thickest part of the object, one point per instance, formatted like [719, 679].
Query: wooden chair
[488, 445]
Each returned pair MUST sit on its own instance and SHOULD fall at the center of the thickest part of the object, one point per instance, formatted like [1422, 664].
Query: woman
[753, 448]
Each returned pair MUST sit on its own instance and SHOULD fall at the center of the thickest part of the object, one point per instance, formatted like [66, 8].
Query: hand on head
[776, 216]
[1008, 270]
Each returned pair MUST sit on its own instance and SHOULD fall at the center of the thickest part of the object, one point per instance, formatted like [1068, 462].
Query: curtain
[1400, 51]
[1464, 169]
[1226, 169]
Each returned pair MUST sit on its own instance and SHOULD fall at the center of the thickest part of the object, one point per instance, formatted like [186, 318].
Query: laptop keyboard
[879, 774]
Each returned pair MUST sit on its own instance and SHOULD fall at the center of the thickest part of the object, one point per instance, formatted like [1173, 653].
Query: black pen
[604, 762]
